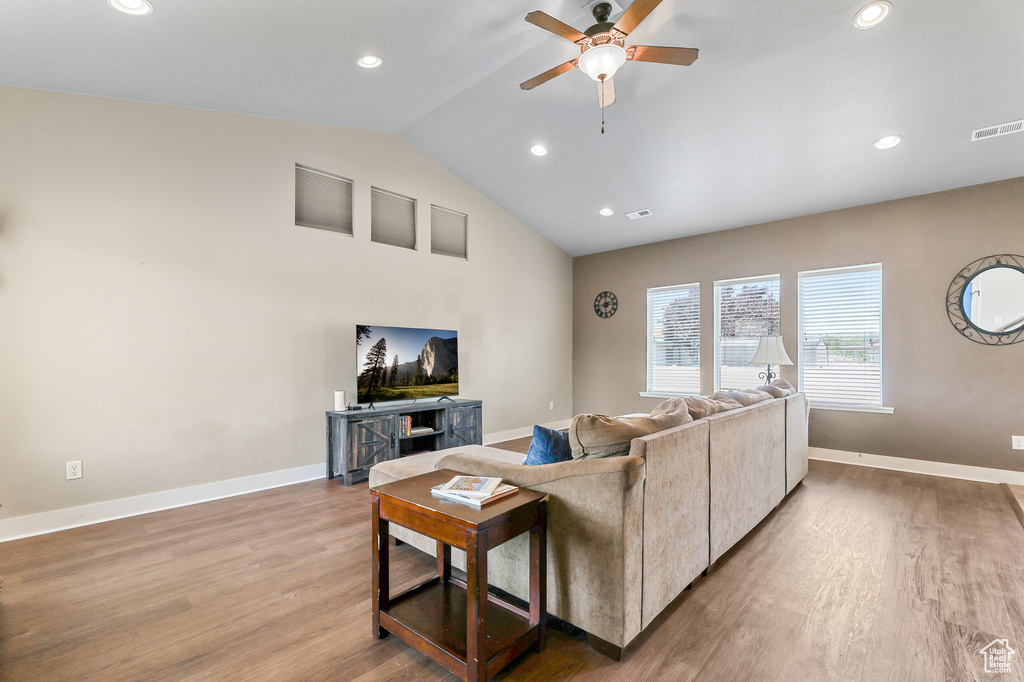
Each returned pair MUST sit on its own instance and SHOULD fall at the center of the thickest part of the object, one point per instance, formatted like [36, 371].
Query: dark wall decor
[1001, 277]
[606, 304]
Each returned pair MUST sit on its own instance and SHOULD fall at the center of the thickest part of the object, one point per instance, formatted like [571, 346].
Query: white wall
[164, 320]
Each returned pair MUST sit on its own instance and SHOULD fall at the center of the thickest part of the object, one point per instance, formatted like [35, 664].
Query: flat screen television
[403, 363]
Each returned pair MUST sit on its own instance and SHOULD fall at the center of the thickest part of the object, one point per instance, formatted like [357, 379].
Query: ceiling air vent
[996, 131]
[642, 213]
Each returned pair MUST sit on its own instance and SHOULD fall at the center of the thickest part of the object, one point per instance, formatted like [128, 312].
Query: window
[322, 200]
[841, 335]
[448, 232]
[745, 310]
[673, 339]
[392, 219]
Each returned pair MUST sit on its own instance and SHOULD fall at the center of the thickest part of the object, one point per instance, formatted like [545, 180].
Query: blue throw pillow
[548, 446]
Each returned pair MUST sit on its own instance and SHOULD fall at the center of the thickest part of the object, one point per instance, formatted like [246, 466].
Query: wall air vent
[642, 213]
[996, 131]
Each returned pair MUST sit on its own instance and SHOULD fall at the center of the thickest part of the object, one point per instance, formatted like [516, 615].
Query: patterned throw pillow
[548, 446]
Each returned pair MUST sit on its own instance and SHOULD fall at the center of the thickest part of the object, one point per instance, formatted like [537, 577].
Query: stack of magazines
[475, 491]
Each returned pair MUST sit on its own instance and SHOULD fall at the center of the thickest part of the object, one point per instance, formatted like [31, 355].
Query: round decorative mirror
[985, 301]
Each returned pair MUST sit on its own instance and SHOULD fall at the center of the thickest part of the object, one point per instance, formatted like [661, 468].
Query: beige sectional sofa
[627, 534]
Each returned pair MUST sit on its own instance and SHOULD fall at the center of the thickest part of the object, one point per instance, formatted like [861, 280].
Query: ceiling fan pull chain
[602, 107]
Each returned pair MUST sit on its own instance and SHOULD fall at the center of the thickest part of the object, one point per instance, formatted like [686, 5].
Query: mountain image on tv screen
[402, 363]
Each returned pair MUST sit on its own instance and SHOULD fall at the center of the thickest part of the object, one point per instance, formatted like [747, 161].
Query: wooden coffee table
[459, 624]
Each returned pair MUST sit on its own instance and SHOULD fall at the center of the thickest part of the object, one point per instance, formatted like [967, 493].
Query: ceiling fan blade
[681, 56]
[634, 14]
[549, 23]
[606, 92]
[548, 75]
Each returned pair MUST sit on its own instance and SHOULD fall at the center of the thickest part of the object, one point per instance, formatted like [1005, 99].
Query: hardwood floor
[860, 574]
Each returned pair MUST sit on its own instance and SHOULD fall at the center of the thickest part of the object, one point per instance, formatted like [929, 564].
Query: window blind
[673, 339]
[745, 310]
[322, 200]
[448, 232]
[841, 335]
[392, 219]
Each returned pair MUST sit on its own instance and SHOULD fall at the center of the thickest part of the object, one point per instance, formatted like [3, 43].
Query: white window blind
[392, 219]
[841, 335]
[745, 310]
[448, 232]
[322, 200]
[673, 339]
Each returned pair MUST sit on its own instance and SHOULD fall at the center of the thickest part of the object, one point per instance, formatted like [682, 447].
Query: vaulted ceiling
[775, 119]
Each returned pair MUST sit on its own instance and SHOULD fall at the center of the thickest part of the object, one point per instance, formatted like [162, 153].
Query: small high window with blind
[448, 232]
[392, 218]
[323, 200]
[745, 310]
[841, 335]
[673, 340]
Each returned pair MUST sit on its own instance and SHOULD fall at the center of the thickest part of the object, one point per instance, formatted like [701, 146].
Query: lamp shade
[770, 351]
[602, 61]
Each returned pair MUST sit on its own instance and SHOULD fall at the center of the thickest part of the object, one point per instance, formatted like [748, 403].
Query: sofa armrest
[528, 476]
[595, 538]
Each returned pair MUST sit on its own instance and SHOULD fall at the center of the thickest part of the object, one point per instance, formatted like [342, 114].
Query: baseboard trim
[502, 436]
[85, 515]
[919, 466]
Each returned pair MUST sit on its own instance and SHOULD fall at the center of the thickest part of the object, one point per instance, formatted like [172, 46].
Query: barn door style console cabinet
[358, 439]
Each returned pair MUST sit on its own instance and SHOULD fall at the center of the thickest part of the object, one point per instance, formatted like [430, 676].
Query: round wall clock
[606, 304]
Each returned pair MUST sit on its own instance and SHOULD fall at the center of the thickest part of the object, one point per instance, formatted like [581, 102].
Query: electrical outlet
[551, 405]
[74, 469]
[1018, 442]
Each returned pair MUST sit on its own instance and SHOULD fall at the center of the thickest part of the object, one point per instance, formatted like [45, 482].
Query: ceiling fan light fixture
[888, 142]
[138, 8]
[601, 62]
[370, 61]
[873, 14]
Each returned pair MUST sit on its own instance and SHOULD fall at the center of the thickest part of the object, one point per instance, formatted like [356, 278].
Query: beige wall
[162, 318]
[955, 401]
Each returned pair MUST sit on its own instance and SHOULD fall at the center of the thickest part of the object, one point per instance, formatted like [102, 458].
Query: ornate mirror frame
[954, 301]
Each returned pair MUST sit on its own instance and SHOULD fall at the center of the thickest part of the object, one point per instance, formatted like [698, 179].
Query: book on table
[503, 490]
[472, 486]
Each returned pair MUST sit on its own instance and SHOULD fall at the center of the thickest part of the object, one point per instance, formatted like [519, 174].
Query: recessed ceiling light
[134, 7]
[606, 212]
[370, 61]
[888, 142]
[539, 150]
[873, 14]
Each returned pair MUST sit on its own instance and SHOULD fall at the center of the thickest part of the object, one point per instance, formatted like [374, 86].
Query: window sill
[875, 409]
[664, 394]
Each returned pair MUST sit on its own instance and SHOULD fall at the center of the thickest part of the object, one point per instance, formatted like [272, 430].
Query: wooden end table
[459, 624]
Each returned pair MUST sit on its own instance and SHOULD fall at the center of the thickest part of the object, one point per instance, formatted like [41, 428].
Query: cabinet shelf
[420, 435]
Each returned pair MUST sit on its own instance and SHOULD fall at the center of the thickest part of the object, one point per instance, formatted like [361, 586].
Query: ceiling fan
[602, 49]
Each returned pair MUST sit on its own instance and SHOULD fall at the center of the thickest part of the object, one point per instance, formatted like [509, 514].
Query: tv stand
[358, 439]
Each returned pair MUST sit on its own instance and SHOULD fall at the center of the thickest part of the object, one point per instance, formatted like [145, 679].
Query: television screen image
[402, 363]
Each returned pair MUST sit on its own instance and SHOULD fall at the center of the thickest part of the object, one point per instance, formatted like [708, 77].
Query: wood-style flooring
[859, 575]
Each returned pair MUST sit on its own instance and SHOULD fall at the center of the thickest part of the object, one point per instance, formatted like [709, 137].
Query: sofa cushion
[671, 405]
[705, 407]
[785, 385]
[548, 446]
[597, 435]
[744, 397]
